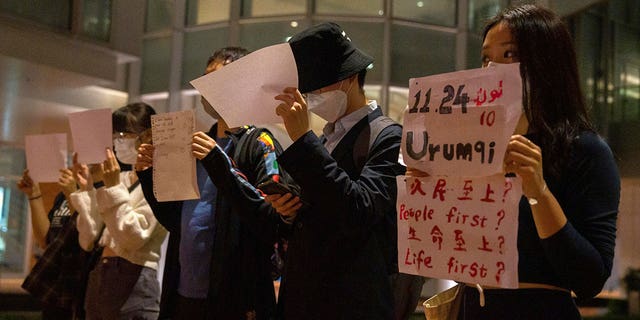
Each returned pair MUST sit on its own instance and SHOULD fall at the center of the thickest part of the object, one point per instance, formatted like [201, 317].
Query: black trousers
[521, 304]
[188, 308]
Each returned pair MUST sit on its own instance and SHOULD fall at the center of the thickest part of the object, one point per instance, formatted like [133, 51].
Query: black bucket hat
[325, 55]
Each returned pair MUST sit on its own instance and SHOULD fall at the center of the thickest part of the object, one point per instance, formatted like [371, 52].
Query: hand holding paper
[201, 145]
[111, 172]
[524, 158]
[67, 182]
[144, 160]
[81, 174]
[242, 92]
[293, 111]
[28, 186]
[174, 167]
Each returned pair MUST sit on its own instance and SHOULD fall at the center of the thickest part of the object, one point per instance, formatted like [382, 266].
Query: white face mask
[126, 151]
[330, 105]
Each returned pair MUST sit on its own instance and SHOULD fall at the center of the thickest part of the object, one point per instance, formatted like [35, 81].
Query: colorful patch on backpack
[269, 154]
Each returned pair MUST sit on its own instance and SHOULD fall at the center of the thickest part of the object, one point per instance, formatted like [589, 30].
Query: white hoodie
[131, 231]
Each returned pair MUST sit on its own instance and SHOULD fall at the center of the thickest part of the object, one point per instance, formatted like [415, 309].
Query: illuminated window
[260, 8]
[207, 11]
[440, 12]
[96, 19]
[14, 215]
[353, 7]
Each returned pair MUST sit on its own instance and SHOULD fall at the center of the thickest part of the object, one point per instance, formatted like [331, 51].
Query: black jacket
[337, 266]
[240, 278]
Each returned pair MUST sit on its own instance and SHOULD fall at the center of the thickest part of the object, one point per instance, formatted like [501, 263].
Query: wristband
[98, 184]
[36, 197]
[534, 201]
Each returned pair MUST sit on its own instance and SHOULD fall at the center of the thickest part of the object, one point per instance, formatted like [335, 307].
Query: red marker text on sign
[460, 243]
[412, 234]
[416, 186]
[439, 190]
[487, 196]
[473, 220]
[466, 190]
[420, 260]
[473, 269]
[436, 236]
[485, 245]
[415, 214]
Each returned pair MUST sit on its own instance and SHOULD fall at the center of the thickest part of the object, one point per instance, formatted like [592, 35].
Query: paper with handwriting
[174, 167]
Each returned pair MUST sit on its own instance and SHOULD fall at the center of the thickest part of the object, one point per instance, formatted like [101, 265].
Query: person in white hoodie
[113, 214]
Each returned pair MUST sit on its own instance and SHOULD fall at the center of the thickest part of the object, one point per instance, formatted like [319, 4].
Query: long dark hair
[552, 97]
[133, 118]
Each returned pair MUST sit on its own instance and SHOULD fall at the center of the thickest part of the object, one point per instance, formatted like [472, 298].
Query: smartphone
[272, 187]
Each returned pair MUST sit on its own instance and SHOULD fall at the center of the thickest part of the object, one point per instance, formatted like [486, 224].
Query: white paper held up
[46, 155]
[174, 168]
[243, 92]
[92, 134]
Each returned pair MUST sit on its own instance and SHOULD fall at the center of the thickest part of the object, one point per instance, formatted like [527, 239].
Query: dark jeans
[406, 289]
[119, 289]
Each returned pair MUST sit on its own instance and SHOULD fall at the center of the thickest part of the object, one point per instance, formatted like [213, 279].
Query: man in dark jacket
[217, 265]
[342, 248]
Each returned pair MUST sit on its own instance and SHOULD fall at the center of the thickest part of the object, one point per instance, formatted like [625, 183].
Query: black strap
[251, 133]
[134, 185]
[367, 137]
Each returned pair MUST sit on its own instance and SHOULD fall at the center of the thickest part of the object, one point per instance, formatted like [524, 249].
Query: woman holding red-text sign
[571, 186]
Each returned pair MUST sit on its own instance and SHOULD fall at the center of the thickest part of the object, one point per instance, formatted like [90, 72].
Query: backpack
[361, 149]
[369, 135]
[278, 255]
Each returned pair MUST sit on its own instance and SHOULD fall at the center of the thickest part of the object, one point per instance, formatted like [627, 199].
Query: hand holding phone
[272, 187]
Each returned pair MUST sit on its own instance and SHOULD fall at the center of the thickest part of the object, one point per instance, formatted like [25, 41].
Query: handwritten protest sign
[46, 155]
[92, 134]
[174, 168]
[461, 222]
[459, 228]
[459, 123]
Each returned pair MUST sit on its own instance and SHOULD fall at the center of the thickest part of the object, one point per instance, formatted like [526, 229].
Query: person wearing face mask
[113, 214]
[343, 245]
[570, 182]
[124, 146]
[218, 257]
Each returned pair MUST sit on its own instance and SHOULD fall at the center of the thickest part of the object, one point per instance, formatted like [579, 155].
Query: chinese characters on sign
[459, 228]
[461, 221]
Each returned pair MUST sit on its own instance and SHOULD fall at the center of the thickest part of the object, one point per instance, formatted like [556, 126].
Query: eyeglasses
[124, 135]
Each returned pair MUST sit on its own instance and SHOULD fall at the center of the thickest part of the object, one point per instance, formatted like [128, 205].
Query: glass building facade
[406, 38]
